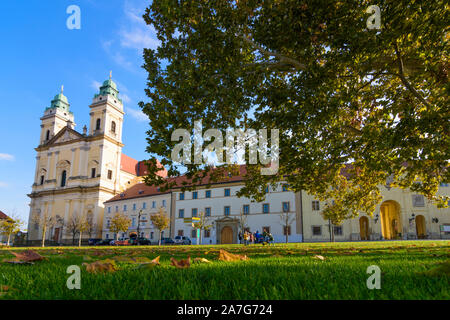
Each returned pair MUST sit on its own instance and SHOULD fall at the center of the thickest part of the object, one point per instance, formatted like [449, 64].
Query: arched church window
[47, 136]
[97, 126]
[113, 127]
[63, 178]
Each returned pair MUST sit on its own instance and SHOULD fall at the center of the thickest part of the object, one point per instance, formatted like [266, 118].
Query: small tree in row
[11, 226]
[161, 221]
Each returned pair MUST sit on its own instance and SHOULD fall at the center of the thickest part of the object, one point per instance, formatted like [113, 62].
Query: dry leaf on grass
[107, 265]
[319, 257]
[183, 263]
[227, 256]
[202, 260]
[4, 290]
[27, 256]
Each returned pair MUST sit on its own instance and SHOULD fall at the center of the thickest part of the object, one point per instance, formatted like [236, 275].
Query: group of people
[247, 237]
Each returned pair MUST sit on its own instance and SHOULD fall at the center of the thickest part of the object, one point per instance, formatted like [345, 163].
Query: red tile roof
[3, 216]
[142, 190]
[138, 168]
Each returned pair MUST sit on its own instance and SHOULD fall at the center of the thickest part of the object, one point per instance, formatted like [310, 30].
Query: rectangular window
[226, 210]
[266, 190]
[288, 229]
[208, 194]
[266, 208]
[194, 233]
[194, 212]
[337, 230]
[153, 204]
[442, 184]
[109, 209]
[246, 209]
[182, 196]
[93, 173]
[180, 233]
[164, 203]
[144, 205]
[195, 195]
[315, 205]
[286, 207]
[117, 208]
[208, 212]
[108, 223]
[207, 233]
[267, 228]
[151, 235]
[181, 213]
[107, 236]
[134, 206]
[133, 222]
[109, 174]
[227, 192]
[124, 207]
[418, 200]
[42, 180]
[316, 230]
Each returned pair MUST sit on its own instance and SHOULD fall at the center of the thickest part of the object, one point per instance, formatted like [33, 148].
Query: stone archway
[421, 229]
[391, 224]
[227, 227]
[364, 228]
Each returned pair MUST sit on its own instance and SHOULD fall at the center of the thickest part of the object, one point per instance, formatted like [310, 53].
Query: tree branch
[405, 81]
[298, 65]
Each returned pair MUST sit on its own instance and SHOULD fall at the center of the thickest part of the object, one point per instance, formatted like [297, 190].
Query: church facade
[77, 172]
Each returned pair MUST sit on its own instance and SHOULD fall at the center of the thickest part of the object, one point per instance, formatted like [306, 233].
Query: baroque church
[77, 172]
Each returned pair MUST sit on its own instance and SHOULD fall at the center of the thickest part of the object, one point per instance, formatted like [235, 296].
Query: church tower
[107, 112]
[56, 117]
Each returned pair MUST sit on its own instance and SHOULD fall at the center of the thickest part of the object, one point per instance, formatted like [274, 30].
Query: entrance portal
[364, 228]
[226, 235]
[390, 220]
[421, 229]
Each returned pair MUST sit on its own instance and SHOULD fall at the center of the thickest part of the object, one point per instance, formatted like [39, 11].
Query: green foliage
[119, 223]
[339, 93]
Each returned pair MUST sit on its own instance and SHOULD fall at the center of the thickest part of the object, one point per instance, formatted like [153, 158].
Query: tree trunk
[159, 237]
[79, 240]
[200, 237]
[287, 234]
[9, 236]
[44, 230]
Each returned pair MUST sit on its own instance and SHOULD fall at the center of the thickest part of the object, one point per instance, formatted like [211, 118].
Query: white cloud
[3, 184]
[95, 85]
[7, 157]
[137, 114]
[125, 98]
[139, 38]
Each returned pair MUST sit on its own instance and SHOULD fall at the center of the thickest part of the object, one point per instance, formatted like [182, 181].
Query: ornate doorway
[364, 228]
[390, 220]
[226, 235]
[421, 229]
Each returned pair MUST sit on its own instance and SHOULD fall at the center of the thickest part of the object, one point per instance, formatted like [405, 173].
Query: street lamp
[376, 218]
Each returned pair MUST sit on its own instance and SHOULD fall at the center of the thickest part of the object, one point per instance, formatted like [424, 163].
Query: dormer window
[97, 126]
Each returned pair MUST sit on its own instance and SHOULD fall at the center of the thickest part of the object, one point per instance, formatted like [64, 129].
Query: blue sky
[39, 54]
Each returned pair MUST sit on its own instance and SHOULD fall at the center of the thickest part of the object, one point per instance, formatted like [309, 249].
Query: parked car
[182, 240]
[121, 242]
[104, 242]
[141, 241]
[93, 242]
[167, 241]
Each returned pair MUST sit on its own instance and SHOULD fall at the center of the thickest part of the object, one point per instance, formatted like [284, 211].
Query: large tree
[339, 92]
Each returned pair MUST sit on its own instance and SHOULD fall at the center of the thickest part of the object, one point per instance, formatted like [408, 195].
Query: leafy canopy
[339, 93]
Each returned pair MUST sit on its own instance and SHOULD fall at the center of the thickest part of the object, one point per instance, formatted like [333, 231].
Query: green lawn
[410, 270]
